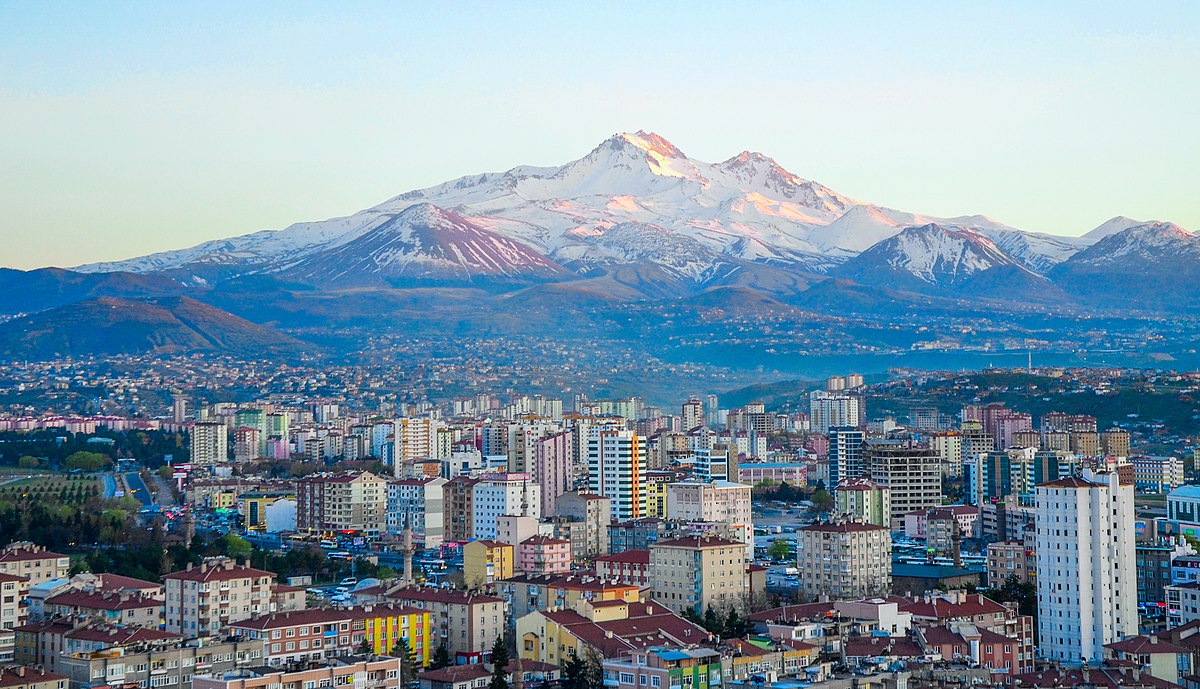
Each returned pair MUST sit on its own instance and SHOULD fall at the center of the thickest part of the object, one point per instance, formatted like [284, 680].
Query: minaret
[407, 549]
[189, 528]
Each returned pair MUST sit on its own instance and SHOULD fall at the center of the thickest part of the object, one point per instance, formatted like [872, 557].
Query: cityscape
[535, 399]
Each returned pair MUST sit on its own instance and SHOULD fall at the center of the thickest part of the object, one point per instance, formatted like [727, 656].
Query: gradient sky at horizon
[130, 128]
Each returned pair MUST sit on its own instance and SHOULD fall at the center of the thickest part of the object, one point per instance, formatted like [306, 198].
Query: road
[138, 489]
[110, 486]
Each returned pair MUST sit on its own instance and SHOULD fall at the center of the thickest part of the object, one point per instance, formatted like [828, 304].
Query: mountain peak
[651, 143]
[1111, 227]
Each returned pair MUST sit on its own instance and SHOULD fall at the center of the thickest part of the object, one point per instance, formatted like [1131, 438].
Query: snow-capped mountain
[422, 242]
[1150, 265]
[1111, 227]
[746, 208]
[933, 258]
[1157, 243]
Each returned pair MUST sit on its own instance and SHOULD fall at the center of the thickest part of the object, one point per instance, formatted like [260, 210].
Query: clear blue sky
[129, 128]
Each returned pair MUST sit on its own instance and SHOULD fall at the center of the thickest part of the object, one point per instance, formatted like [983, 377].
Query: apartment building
[497, 495]
[845, 560]
[205, 600]
[467, 623]
[167, 663]
[544, 555]
[460, 508]
[321, 633]
[861, 499]
[911, 474]
[35, 563]
[21, 677]
[595, 513]
[1008, 559]
[485, 562]
[1087, 584]
[360, 672]
[698, 572]
[616, 462]
[715, 501]
[342, 502]
[13, 612]
[664, 666]
[419, 504]
[129, 608]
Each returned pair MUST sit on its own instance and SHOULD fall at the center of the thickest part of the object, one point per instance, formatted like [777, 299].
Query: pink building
[631, 567]
[540, 555]
[916, 523]
[552, 456]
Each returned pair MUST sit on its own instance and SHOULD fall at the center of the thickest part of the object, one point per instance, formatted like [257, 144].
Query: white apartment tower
[210, 444]
[497, 495]
[617, 471]
[829, 409]
[1086, 577]
[693, 414]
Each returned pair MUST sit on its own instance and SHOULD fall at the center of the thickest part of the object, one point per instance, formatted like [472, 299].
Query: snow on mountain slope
[684, 256]
[1111, 227]
[747, 207]
[931, 254]
[423, 241]
[1142, 246]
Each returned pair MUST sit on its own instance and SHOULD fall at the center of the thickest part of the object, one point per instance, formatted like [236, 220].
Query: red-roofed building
[554, 635]
[698, 572]
[21, 677]
[630, 567]
[544, 555]
[126, 608]
[33, 562]
[958, 608]
[206, 599]
[1156, 656]
[468, 623]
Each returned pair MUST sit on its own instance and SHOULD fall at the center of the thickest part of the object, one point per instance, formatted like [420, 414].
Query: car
[349, 581]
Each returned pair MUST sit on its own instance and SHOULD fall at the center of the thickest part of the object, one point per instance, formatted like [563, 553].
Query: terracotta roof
[12, 577]
[1069, 482]
[17, 675]
[488, 543]
[117, 581]
[456, 673]
[575, 582]
[942, 609]
[544, 540]
[844, 527]
[218, 572]
[697, 542]
[442, 596]
[940, 636]
[293, 618]
[637, 557]
[104, 600]
[1145, 645]
[23, 553]
[792, 613]
[886, 646]
[119, 636]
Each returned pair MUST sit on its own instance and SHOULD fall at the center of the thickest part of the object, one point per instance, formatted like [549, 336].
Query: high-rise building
[552, 456]
[845, 454]
[1086, 581]
[342, 502]
[712, 411]
[845, 560]
[830, 409]
[911, 473]
[413, 438]
[497, 495]
[717, 501]
[202, 601]
[863, 500]
[1115, 442]
[949, 447]
[179, 408]
[595, 513]
[693, 414]
[617, 471]
[209, 444]
[698, 572]
[417, 504]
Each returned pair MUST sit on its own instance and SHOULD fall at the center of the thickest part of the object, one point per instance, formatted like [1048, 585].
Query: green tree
[574, 673]
[499, 665]
[235, 546]
[712, 621]
[27, 462]
[822, 501]
[735, 626]
[408, 661]
[87, 461]
[780, 549]
[441, 658]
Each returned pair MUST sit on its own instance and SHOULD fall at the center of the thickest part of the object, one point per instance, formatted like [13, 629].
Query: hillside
[106, 326]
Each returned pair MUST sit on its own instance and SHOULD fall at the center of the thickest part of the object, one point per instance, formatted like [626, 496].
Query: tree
[735, 625]
[235, 546]
[574, 673]
[408, 661]
[88, 461]
[712, 621]
[499, 665]
[780, 549]
[27, 462]
[441, 658]
[822, 501]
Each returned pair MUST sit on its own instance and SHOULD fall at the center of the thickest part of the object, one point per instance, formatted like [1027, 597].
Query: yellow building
[656, 492]
[254, 507]
[222, 500]
[610, 629]
[485, 562]
[385, 625]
